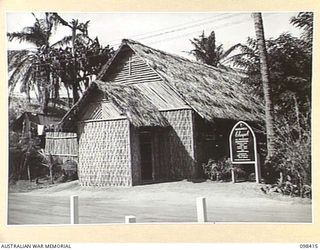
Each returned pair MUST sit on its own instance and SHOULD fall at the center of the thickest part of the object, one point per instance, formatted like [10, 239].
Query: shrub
[24, 158]
[69, 169]
[290, 167]
[220, 170]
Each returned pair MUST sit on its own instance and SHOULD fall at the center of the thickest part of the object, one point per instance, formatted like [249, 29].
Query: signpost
[243, 147]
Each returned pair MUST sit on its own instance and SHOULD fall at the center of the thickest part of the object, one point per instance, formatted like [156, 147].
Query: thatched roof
[211, 92]
[132, 103]
[129, 99]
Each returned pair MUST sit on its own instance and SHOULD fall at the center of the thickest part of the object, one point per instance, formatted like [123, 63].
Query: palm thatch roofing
[210, 91]
[132, 103]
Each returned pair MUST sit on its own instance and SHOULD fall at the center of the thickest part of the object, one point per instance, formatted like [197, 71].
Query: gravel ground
[171, 202]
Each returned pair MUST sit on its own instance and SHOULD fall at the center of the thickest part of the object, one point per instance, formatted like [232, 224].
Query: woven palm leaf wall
[104, 153]
[180, 148]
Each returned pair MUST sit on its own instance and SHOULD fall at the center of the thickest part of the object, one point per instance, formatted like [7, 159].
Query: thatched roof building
[167, 113]
[211, 92]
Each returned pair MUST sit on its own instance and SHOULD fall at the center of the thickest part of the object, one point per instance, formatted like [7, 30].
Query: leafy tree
[46, 68]
[207, 51]
[76, 66]
[27, 66]
[304, 20]
[82, 56]
[290, 67]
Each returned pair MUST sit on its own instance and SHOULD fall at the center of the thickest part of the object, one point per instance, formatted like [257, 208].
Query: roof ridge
[127, 41]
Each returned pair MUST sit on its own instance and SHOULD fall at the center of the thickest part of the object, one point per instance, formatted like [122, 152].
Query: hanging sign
[243, 147]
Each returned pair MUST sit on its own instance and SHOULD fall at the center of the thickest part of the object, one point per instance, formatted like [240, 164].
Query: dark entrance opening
[146, 155]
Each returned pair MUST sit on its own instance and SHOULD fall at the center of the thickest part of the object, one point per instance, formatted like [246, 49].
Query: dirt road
[165, 202]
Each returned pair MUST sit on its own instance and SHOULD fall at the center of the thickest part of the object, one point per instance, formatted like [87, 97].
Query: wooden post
[258, 169]
[233, 175]
[74, 209]
[201, 210]
[130, 219]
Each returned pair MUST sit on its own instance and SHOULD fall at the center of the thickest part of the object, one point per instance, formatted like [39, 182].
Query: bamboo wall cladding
[104, 153]
[181, 143]
[62, 144]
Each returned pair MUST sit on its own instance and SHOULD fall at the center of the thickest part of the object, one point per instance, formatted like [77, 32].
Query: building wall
[104, 153]
[178, 147]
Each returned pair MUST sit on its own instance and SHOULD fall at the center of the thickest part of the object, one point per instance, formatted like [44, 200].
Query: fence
[62, 144]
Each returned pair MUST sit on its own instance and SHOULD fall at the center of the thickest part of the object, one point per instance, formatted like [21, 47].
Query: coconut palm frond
[57, 19]
[304, 21]
[26, 81]
[18, 73]
[63, 42]
[15, 57]
[230, 50]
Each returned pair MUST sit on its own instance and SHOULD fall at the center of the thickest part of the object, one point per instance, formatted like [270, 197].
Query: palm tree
[265, 83]
[304, 20]
[75, 26]
[31, 68]
[87, 56]
[206, 51]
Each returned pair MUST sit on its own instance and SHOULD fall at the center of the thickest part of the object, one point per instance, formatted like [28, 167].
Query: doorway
[146, 155]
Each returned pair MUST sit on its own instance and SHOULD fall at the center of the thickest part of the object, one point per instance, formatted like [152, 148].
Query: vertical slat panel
[63, 145]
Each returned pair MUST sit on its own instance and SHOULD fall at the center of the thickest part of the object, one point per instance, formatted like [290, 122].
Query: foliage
[69, 171]
[23, 65]
[290, 67]
[207, 51]
[81, 57]
[25, 162]
[304, 20]
[220, 170]
[47, 67]
[75, 66]
[292, 160]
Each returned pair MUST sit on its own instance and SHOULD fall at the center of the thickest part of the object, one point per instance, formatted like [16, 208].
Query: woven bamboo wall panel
[180, 143]
[62, 145]
[104, 154]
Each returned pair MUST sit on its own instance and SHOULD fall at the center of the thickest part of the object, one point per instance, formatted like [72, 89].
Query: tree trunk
[68, 95]
[296, 107]
[45, 93]
[75, 93]
[45, 101]
[26, 165]
[265, 83]
[51, 168]
[29, 173]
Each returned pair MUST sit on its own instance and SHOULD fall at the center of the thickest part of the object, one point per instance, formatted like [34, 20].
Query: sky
[170, 32]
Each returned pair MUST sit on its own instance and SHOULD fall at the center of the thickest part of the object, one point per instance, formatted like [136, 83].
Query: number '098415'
[306, 246]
